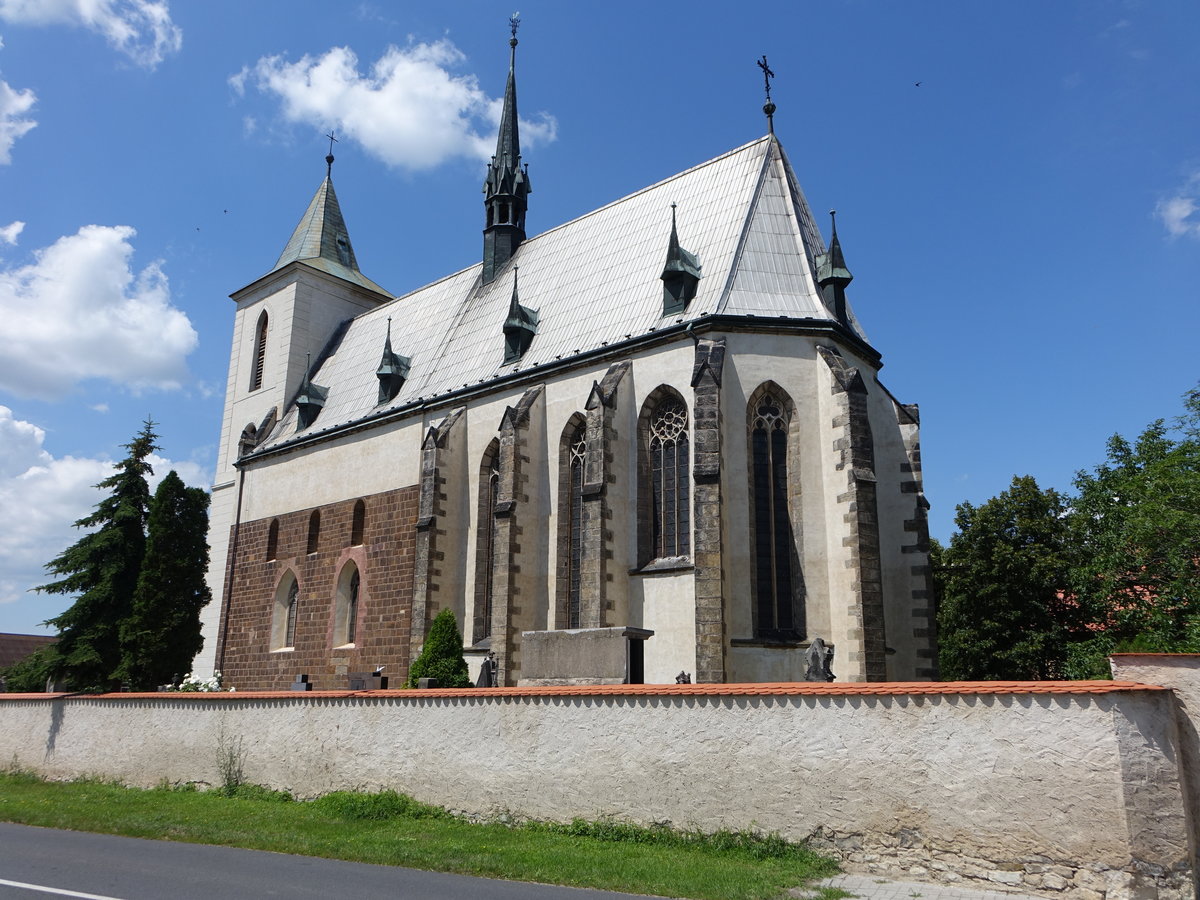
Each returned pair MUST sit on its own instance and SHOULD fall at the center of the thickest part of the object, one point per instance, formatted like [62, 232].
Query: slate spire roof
[744, 217]
[320, 239]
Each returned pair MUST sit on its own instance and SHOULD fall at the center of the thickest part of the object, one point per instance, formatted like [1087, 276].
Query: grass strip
[391, 829]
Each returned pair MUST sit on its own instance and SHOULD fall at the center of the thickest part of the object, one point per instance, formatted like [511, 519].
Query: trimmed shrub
[442, 655]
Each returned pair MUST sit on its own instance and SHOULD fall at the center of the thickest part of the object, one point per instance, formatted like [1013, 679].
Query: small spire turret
[392, 371]
[519, 327]
[832, 274]
[311, 398]
[680, 275]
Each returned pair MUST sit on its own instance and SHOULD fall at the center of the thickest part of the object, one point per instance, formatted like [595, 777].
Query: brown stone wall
[385, 563]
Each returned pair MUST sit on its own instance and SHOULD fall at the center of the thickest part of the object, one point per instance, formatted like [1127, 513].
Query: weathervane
[768, 107]
[329, 158]
[514, 22]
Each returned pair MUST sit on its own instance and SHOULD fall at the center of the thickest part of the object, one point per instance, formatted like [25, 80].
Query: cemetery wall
[1070, 789]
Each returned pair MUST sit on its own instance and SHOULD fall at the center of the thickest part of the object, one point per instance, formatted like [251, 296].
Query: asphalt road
[46, 862]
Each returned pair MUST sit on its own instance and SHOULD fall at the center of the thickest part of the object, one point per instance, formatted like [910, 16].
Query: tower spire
[506, 188]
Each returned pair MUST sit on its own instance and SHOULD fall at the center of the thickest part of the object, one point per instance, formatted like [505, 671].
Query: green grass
[393, 829]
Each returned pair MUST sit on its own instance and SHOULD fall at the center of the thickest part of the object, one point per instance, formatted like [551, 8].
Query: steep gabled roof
[595, 282]
[321, 240]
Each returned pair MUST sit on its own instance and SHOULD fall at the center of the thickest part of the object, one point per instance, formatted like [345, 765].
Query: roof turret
[506, 188]
[680, 274]
[832, 274]
[519, 327]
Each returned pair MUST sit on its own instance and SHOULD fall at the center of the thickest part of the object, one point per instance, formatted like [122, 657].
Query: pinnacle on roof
[506, 187]
[393, 369]
[311, 398]
[520, 326]
[832, 274]
[321, 240]
[680, 274]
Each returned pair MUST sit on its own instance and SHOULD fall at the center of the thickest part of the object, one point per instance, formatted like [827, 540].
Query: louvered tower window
[572, 510]
[773, 576]
[260, 352]
[669, 485]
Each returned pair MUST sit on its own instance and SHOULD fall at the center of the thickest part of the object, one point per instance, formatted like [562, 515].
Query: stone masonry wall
[385, 563]
[1065, 789]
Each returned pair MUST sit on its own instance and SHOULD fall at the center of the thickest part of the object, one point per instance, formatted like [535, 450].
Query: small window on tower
[260, 352]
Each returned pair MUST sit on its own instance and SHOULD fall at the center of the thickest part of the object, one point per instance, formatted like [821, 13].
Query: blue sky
[1023, 226]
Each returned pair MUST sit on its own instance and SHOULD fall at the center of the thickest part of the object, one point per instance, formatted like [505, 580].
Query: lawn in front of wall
[391, 829]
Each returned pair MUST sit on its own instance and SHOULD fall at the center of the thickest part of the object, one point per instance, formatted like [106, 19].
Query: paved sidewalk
[873, 887]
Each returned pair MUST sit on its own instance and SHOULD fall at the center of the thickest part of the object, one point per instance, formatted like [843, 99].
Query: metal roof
[594, 282]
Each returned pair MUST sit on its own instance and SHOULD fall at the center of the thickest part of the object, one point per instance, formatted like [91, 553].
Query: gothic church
[696, 470]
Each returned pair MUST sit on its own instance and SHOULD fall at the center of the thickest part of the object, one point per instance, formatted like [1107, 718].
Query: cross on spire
[329, 158]
[514, 22]
[768, 107]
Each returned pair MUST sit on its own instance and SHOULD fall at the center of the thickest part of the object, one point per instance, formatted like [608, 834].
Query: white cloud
[1178, 211]
[10, 233]
[79, 311]
[410, 110]
[141, 29]
[51, 494]
[13, 122]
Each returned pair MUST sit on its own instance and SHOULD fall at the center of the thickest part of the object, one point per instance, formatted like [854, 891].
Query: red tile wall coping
[787, 689]
[1179, 655]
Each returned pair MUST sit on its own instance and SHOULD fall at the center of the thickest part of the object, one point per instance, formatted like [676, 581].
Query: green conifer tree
[102, 568]
[161, 636]
[442, 655]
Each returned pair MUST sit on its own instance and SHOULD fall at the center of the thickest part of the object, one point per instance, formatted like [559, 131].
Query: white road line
[49, 890]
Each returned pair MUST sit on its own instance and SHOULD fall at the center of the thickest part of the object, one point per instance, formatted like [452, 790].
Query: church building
[646, 442]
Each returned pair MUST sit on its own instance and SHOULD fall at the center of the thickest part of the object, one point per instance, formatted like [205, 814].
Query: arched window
[665, 479]
[485, 547]
[273, 539]
[570, 521]
[283, 623]
[358, 523]
[345, 616]
[260, 352]
[314, 531]
[777, 589]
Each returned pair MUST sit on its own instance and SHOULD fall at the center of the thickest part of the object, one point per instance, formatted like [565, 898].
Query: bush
[442, 655]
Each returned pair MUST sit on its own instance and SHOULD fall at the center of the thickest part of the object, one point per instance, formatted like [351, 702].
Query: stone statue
[819, 659]
[487, 671]
[683, 678]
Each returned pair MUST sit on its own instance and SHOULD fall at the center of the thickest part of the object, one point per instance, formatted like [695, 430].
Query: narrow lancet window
[314, 531]
[293, 601]
[358, 523]
[260, 353]
[570, 518]
[485, 548]
[773, 542]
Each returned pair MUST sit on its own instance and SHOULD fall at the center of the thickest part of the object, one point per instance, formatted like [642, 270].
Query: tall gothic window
[345, 616]
[570, 522]
[667, 451]
[260, 352]
[775, 582]
[283, 622]
[485, 548]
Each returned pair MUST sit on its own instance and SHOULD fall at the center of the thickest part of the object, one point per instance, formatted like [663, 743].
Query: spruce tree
[102, 568]
[161, 636]
[442, 655]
